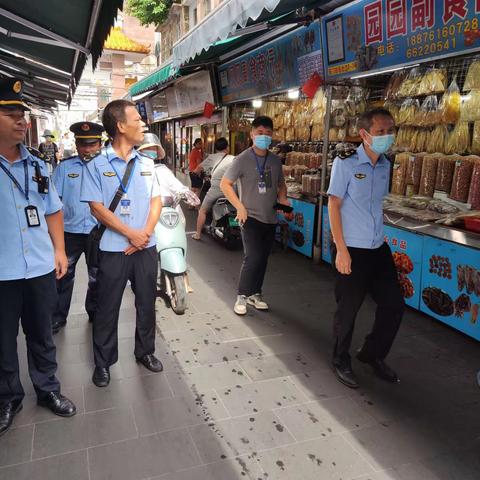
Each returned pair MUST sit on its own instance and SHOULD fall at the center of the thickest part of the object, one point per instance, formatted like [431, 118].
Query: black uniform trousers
[32, 301]
[115, 268]
[258, 238]
[75, 245]
[374, 272]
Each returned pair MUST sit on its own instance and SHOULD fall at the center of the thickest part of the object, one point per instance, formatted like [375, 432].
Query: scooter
[172, 250]
[224, 226]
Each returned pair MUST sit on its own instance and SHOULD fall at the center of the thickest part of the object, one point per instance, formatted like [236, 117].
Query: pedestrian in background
[77, 218]
[362, 259]
[127, 247]
[194, 159]
[261, 185]
[32, 255]
[49, 150]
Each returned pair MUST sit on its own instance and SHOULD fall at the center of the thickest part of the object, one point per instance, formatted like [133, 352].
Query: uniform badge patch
[109, 174]
[146, 174]
[73, 175]
[17, 86]
[360, 176]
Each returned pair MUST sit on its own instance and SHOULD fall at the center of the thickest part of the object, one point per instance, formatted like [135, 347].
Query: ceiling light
[293, 94]
[257, 103]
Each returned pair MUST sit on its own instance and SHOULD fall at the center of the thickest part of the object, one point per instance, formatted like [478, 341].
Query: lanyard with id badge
[31, 211]
[265, 180]
[125, 202]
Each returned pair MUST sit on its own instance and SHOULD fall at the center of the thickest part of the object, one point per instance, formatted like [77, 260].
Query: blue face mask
[262, 141]
[381, 143]
[149, 153]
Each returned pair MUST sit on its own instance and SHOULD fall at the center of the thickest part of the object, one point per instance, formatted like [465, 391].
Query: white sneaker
[240, 307]
[257, 301]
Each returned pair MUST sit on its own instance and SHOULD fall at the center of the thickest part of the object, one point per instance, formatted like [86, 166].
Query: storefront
[421, 67]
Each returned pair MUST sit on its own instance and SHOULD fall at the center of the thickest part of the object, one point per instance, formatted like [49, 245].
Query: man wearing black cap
[78, 219]
[32, 255]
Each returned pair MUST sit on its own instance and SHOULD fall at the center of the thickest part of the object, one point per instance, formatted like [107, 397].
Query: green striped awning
[160, 76]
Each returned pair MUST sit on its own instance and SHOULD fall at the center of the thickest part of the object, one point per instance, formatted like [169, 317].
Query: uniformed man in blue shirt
[32, 254]
[363, 260]
[127, 248]
[77, 218]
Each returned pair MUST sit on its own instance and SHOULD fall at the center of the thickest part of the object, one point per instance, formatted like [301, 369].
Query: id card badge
[33, 219]
[124, 206]
[262, 187]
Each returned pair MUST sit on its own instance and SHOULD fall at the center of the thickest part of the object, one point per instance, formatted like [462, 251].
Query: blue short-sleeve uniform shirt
[68, 182]
[362, 187]
[101, 181]
[25, 252]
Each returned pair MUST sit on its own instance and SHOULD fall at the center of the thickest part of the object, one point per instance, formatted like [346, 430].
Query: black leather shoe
[101, 376]
[380, 368]
[58, 404]
[151, 362]
[345, 375]
[57, 326]
[7, 413]
[91, 317]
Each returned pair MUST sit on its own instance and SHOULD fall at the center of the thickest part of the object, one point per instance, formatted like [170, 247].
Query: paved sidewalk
[253, 397]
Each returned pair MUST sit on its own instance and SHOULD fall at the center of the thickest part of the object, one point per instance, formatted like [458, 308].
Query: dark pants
[373, 271]
[113, 272]
[32, 301]
[258, 240]
[75, 245]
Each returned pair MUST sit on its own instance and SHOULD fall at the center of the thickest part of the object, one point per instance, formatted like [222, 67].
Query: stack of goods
[301, 171]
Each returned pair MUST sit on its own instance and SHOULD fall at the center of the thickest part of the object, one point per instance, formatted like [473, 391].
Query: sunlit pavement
[253, 397]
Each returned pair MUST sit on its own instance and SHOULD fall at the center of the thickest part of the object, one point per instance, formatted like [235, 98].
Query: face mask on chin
[262, 142]
[381, 143]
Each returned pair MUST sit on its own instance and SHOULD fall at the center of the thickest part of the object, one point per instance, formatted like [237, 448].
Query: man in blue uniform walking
[363, 261]
[77, 218]
[127, 247]
[32, 255]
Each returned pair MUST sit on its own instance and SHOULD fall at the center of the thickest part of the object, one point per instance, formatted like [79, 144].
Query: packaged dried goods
[333, 134]
[414, 172]
[411, 84]
[437, 139]
[445, 169]
[399, 176]
[317, 132]
[474, 193]
[461, 179]
[442, 207]
[412, 145]
[450, 103]
[353, 127]
[472, 80]
[290, 134]
[403, 138]
[433, 81]
[394, 110]
[428, 176]
[459, 140]
[408, 111]
[470, 108]
[393, 87]
[429, 114]
[418, 203]
[476, 138]
[422, 140]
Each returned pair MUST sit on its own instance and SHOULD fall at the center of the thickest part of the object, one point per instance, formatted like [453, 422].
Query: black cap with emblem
[87, 132]
[11, 94]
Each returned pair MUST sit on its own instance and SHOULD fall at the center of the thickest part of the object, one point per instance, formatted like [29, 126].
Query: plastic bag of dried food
[436, 141]
[472, 80]
[394, 84]
[408, 111]
[445, 169]
[414, 172]
[399, 176]
[429, 176]
[476, 138]
[393, 109]
[474, 193]
[459, 140]
[450, 103]
[411, 84]
[442, 207]
[470, 107]
[430, 114]
[461, 179]
[418, 203]
[433, 81]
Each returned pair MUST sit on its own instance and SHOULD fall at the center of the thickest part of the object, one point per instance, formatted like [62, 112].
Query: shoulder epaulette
[91, 156]
[346, 154]
[35, 153]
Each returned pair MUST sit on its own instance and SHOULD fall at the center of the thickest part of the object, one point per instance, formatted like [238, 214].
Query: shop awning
[155, 79]
[47, 43]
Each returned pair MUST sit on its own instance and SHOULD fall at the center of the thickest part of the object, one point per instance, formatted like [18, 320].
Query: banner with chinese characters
[370, 35]
[285, 63]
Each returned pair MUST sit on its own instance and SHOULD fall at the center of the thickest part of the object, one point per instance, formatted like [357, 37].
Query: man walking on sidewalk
[363, 261]
[261, 185]
[77, 218]
[127, 247]
[32, 254]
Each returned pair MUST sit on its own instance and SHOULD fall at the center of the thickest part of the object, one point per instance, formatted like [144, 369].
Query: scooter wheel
[178, 302]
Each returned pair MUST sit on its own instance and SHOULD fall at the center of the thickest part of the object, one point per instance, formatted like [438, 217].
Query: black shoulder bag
[94, 237]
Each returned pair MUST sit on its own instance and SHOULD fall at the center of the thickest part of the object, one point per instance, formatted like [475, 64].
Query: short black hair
[221, 144]
[262, 121]
[366, 119]
[196, 141]
[115, 112]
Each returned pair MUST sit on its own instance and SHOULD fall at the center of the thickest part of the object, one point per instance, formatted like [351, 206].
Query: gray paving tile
[16, 445]
[326, 459]
[72, 466]
[82, 431]
[237, 436]
[318, 384]
[248, 328]
[79, 374]
[180, 339]
[261, 396]
[143, 457]
[223, 352]
[177, 412]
